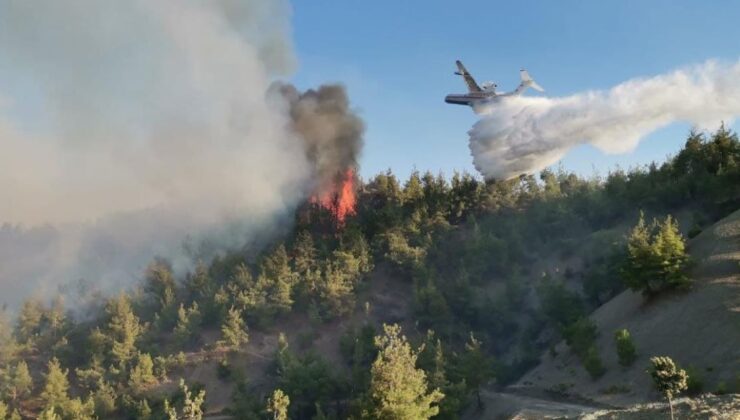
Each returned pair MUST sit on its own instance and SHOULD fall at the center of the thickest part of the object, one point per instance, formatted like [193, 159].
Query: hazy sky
[397, 59]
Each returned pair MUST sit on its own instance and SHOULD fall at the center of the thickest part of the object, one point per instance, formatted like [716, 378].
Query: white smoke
[149, 125]
[526, 134]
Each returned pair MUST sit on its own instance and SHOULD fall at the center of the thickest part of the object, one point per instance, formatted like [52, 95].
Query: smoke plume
[331, 130]
[146, 124]
[526, 134]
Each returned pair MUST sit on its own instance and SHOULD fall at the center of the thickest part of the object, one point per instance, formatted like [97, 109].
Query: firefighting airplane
[478, 96]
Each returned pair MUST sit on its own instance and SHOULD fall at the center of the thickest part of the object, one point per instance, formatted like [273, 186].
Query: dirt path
[507, 405]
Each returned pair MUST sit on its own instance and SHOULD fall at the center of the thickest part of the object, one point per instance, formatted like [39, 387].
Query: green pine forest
[435, 288]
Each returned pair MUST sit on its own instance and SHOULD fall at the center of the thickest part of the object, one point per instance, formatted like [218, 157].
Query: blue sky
[397, 59]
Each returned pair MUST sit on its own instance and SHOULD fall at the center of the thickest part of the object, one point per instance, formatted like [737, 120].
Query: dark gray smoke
[330, 128]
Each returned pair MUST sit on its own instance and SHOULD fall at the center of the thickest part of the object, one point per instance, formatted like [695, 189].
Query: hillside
[476, 280]
[699, 329]
[386, 301]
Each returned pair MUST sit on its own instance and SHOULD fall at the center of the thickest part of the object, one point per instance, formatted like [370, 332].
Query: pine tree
[244, 292]
[78, 409]
[283, 357]
[105, 399]
[320, 415]
[438, 378]
[671, 247]
[277, 273]
[159, 282]
[234, 330]
[55, 317]
[399, 390]
[29, 321]
[90, 377]
[304, 253]
[413, 192]
[636, 272]
[124, 330]
[335, 290]
[625, 347]
[668, 379]
[49, 413]
[476, 366]
[97, 343]
[656, 257]
[192, 407]
[56, 387]
[432, 359]
[8, 345]
[160, 287]
[201, 288]
[278, 404]
[142, 374]
[188, 322]
[20, 383]
[200, 284]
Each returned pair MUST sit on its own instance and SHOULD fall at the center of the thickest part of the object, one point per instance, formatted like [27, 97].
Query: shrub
[580, 336]
[615, 389]
[721, 388]
[224, 370]
[694, 231]
[625, 347]
[592, 363]
[694, 382]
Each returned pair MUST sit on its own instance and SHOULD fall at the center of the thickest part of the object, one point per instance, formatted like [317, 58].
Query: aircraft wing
[472, 85]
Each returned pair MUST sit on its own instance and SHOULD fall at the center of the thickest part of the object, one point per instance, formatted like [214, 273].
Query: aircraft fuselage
[475, 100]
[479, 96]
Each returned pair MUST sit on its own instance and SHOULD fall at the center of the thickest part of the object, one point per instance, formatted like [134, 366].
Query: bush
[615, 389]
[694, 231]
[694, 382]
[721, 388]
[580, 336]
[306, 338]
[625, 347]
[592, 363]
[561, 306]
[224, 370]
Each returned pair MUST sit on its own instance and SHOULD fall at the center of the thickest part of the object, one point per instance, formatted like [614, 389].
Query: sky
[397, 60]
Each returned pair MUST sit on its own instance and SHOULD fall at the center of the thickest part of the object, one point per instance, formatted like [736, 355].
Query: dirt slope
[387, 297]
[704, 407]
[699, 328]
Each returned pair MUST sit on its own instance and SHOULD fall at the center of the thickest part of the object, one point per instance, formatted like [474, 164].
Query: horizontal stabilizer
[536, 87]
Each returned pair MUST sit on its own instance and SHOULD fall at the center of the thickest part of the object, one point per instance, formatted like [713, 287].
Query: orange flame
[340, 200]
[346, 200]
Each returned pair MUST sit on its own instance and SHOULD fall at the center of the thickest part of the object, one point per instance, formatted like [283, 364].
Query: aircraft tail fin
[529, 82]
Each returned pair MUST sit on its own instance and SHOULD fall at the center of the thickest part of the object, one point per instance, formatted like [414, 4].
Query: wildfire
[340, 200]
